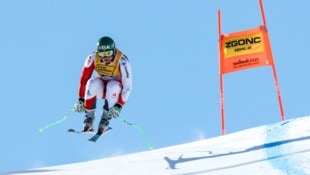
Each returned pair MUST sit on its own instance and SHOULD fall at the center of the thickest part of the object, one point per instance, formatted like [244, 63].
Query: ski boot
[104, 122]
[88, 122]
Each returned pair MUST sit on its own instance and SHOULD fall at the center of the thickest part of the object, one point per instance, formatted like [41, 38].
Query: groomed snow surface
[282, 148]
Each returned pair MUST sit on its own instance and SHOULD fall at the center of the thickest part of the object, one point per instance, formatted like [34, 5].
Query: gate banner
[244, 50]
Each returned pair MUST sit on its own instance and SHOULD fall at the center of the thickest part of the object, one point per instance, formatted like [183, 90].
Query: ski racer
[113, 84]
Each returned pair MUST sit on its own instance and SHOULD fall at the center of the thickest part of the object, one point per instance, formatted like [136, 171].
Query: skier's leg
[104, 122]
[94, 89]
[113, 90]
[89, 120]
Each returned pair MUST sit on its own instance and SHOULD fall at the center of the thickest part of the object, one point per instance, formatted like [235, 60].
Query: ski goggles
[106, 53]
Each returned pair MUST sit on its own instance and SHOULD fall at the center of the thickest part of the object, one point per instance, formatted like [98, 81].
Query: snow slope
[282, 148]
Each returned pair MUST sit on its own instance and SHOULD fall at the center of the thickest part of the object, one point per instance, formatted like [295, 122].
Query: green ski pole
[140, 130]
[56, 122]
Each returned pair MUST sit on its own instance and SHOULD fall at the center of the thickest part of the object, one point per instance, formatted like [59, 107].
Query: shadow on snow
[27, 171]
[173, 163]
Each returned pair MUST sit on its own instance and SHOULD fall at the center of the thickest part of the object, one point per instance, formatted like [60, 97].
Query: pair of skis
[94, 138]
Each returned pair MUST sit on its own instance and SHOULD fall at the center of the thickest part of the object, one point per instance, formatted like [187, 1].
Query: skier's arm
[126, 80]
[86, 73]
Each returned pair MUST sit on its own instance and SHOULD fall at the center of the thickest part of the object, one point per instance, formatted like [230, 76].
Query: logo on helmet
[104, 47]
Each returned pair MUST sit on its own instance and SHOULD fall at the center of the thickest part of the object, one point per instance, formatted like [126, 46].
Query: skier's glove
[115, 111]
[79, 106]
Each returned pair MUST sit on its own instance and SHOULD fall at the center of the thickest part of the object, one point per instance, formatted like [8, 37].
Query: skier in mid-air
[113, 83]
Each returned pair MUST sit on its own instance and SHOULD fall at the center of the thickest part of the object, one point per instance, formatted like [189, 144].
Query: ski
[80, 132]
[95, 137]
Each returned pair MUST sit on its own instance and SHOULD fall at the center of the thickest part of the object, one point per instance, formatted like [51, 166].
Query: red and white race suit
[113, 81]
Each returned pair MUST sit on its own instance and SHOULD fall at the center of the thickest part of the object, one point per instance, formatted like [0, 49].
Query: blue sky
[172, 46]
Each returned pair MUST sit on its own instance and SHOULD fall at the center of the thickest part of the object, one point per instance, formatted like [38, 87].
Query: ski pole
[56, 122]
[140, 130]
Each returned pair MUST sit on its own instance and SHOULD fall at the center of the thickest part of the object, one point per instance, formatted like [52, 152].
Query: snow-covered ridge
[281, 148]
